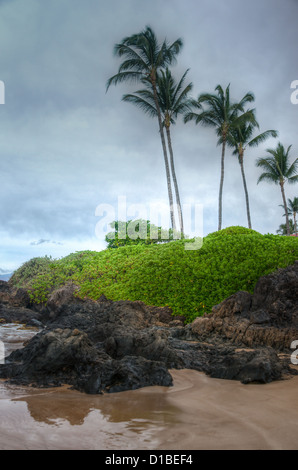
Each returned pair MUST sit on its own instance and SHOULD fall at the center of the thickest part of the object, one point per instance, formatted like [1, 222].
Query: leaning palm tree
[292, 210]
[173, 100]
[278, 170]
[240, 138]
[223, 115]
[143, 58]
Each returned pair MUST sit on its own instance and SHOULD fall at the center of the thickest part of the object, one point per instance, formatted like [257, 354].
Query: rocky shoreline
[110, 346]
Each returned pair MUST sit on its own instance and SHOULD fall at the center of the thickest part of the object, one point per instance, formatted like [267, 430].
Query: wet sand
[196, 413]
[222, 414]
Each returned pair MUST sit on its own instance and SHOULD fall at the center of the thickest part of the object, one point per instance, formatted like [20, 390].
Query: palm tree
[292, 210]
[283, 228]
[173, 100]
[278, 170]
[143, 58]
[223, 115]
[240, 138]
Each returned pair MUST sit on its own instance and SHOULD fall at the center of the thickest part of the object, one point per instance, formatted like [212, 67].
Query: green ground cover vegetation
[191, 282]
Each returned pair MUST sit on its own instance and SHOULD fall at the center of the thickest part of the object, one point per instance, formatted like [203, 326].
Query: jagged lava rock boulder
[64, 356]
[268, 317]
[15, 305]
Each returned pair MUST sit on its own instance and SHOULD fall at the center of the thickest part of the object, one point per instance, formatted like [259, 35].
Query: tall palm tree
[278, 170]
[223, 115]
[292, 210]
[239, 139]
[173, 100]
[143, 58]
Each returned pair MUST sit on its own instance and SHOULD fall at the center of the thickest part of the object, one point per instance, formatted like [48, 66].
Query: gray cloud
[41, 241]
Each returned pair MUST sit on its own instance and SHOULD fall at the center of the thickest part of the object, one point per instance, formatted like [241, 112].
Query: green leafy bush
[233, 230]
[30, 269]
[191, 282]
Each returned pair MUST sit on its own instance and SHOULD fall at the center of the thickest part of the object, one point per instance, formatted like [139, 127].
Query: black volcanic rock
[68, 356]
[109, 346]
[268, 317]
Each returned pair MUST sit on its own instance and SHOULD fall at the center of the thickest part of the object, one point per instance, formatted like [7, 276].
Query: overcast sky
[68, 147]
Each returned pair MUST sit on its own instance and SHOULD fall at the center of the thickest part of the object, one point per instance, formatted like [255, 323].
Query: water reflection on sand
[61, 418]
[196, 413]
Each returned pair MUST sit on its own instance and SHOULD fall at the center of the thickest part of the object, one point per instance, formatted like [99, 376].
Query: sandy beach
[197, 413]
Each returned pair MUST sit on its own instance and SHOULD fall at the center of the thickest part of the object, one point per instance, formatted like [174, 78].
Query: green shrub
[191, 282]
[30, 269]
[233, 230]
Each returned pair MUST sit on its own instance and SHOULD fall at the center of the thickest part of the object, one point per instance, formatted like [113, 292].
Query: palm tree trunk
[221, 184]
[245, 190]
[168, 176]
[163, 142]
[285, 206]
[179, 208]
[295, 222]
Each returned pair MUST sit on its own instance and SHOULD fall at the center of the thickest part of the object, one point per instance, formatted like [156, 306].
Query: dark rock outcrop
[15, 305]
[108, 346]
[268, 317]
[68, 356]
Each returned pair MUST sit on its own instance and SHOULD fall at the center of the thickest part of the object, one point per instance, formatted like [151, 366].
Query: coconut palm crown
[278, 170]
[293, 210]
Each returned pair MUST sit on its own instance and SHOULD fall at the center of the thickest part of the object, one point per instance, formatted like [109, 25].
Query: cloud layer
[68, 146]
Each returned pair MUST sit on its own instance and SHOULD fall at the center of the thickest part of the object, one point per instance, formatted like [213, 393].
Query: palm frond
[247, 98]
[146, 94]
[123, 77]
[172, 51]
[269, 165]
[293, 179]
[267, 177]
[293, 205]
[144, 105]
[178, 88]
[262, 137]
[220, 91]
[129, 52]
[207, 118]
[134, 65]
[244, 118]
[293, 169]
[190, 116]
